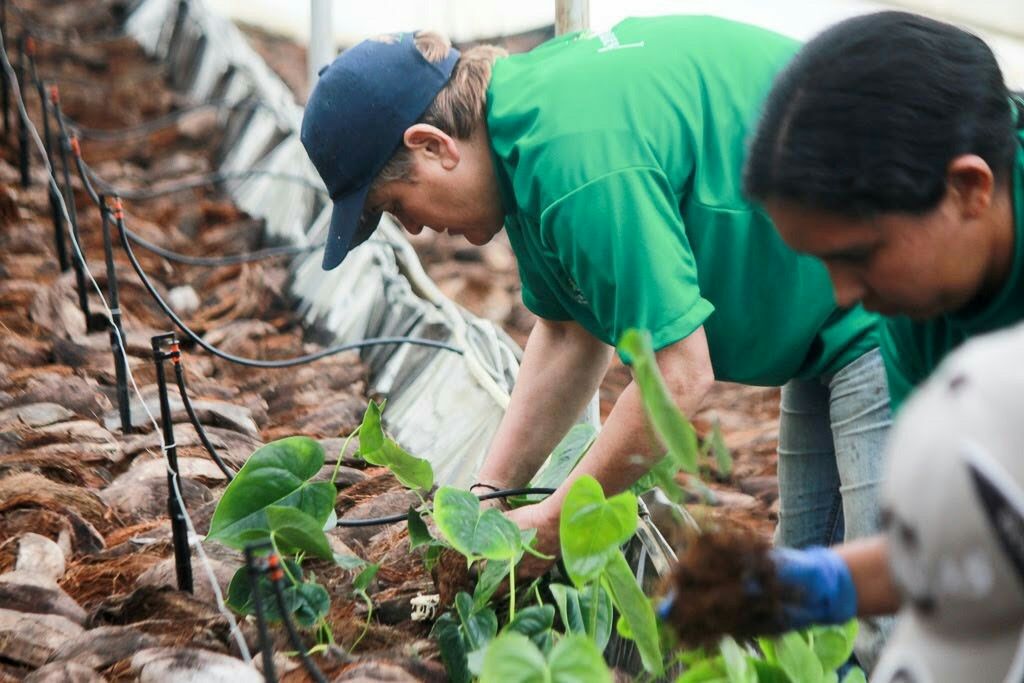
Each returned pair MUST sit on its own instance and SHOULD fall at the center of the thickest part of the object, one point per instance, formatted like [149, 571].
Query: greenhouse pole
[321, 38]
[571, 15]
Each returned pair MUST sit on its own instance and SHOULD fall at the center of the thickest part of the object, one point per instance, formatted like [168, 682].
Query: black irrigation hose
[252, 362]
[179, 375]
[214, 261]
[206, 180]
[159, 123]
[394, 519]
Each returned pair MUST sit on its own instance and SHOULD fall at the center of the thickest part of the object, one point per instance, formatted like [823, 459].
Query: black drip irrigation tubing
[210, 348]
[229, 260]
[205, 180]
[394, 519]
[159, 123]
[179, 376]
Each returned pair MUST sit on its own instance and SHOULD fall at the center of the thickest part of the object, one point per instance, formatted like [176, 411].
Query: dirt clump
[725, 584]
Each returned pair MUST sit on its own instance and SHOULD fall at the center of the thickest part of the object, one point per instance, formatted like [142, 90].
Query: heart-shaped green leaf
[307, 601]
[834, 644]
[449, 638]
[576, 659]
[294, 530]
[478, 627]
[489, 534]
[513, 658]
[376, 448]
[276, 474]
[593, 527]
[419, 534]
[534, 622]
[796, 657]
[490, 579]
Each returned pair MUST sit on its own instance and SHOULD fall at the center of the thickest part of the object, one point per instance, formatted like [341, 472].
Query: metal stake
[116, 329]
[44, 105]
[6, 83]
[69, 202]
[256, 566]
[23, 127]
[175, 505]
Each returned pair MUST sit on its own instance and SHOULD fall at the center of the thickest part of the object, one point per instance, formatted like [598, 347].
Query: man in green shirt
[613, 161]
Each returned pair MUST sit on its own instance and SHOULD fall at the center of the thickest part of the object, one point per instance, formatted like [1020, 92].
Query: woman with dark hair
[891, 149]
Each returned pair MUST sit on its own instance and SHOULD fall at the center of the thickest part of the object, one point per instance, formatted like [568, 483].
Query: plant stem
[595, 602]
[511, 591]
[284, 565]
[344, 447]
[369, 615]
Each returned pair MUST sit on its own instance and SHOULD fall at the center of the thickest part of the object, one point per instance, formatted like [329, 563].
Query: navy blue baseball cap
[354, 122]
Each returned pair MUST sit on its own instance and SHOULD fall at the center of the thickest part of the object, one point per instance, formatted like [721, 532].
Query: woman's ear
[433, 144]
[971, 184]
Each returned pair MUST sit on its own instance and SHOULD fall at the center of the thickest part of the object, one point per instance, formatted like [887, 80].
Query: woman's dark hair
[868, 115]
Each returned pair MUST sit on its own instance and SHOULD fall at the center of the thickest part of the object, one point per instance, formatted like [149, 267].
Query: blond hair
[460, 106]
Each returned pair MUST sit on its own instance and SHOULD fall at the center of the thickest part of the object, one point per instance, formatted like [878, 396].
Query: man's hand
[544, 519]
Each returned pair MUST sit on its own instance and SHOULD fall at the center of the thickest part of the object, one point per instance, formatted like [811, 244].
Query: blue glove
[821, 586]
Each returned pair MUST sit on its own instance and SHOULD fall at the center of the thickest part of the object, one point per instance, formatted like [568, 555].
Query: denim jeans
[832, 434]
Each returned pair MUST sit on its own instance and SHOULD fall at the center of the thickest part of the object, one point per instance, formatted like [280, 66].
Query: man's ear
[971, 184]
[433, 144]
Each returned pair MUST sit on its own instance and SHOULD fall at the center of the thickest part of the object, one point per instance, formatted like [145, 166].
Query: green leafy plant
[514, 658]
[376, 448]
[810, 656]
[272, 499]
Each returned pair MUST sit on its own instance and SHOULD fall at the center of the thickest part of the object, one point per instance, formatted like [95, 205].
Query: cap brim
[915, 654]
[349, 227]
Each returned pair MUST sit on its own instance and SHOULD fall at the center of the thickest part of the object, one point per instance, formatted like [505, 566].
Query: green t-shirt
[619, 157]
[912, 350]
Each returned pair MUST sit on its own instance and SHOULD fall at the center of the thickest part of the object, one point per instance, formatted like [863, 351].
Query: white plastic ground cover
[441, 406]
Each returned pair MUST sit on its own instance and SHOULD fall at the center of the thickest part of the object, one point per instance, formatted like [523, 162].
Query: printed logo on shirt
[609, 42]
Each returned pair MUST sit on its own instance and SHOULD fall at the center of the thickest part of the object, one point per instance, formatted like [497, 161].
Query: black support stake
[58, 220]
[4, 78]
[69, 201]
[23, 128]
[116, 329]
[256, 566]
[175, 506]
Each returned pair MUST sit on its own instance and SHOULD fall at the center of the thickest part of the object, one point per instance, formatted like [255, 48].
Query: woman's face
[918, 265]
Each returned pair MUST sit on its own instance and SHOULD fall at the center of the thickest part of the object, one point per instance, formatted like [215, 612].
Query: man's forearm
[561, 369]
[627, 447]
